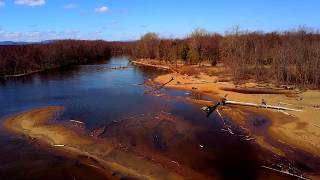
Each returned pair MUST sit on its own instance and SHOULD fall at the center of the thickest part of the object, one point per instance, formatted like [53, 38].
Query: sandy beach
[34, 124]
[297, 129]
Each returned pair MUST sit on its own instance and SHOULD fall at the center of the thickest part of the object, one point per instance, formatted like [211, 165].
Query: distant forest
[290, 58]
[24, 59]
[283, 58]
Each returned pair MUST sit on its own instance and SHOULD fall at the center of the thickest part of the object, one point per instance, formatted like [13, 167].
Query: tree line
[23, 59]
[283, 58]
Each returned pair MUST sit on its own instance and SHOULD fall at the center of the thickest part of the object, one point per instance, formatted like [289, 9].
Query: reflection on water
[22, 160]
[93, 93]
[100, 94]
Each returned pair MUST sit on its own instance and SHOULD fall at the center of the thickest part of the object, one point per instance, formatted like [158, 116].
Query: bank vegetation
[25, 59]
[282, 58]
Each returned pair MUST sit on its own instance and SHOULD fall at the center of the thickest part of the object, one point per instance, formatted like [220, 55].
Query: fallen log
[15, 75]
[261, 106]
[165, 84]
[160, 87]
[210, 109]
[120, 67]
[75, 121]
[59, 145]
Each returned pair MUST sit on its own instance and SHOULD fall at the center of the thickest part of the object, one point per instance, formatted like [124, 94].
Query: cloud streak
[30, 2]
[70, 6]
[102, 9]
[34, 36]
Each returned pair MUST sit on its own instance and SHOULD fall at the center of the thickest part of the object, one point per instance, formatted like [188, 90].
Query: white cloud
[102, 9]
[30, 2]
[34, 36]
[2, 3]
[70, 6]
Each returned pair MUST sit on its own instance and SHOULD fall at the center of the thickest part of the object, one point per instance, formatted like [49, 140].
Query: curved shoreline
[103, 155]
[34, 124]
[297, 129]
[142, 164]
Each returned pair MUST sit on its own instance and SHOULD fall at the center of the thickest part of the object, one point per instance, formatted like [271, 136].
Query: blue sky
[36, 20]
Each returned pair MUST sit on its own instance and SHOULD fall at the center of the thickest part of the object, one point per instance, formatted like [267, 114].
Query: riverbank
[146, 64]
[124, 149]
[36, 125]
[138, 148]
[149, 141]
[6, 77]
[299, 130]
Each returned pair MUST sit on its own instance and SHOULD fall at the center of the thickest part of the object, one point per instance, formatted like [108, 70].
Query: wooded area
[283, 58]
[23, 59]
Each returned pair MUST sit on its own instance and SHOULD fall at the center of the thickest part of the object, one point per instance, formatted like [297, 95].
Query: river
[114, 91]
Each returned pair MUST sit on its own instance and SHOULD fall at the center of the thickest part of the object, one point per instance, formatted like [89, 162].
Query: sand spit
[35, 124]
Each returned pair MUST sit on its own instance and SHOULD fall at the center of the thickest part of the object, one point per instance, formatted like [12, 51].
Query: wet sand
[157, 146]
[29, 160]
[298, 129]
[34, 124]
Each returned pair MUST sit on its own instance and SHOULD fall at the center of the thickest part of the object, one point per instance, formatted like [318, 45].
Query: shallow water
[98, 95]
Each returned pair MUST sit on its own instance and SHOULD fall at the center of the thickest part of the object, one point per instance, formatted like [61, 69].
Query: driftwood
[59, 145]
[78, 124]
[227, 128]
[288, 104]
[15, 75]
[120, 67]
[210, 109]
[160, 87]
[20, 75]
[286, 113]
[75, 121]
[261, 106]
[286, 173]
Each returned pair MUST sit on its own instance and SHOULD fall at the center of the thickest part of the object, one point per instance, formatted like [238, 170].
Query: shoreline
[114, 159]
[5, 77]
[140, 163]
[25, 74]
[139, 63]
[296, 129]
[34, 124]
